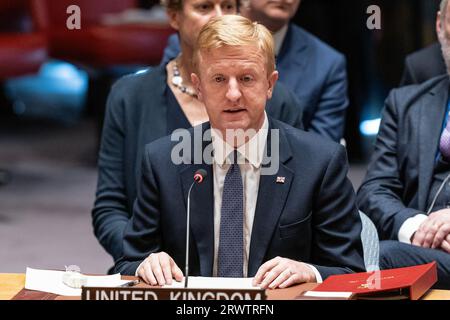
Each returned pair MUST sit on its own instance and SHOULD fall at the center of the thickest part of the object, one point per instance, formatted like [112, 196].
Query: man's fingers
[418, 238]
[176, 271]
[159, 269]
[148, 273]
[427, 240]
[282, 277]
[443, 231]
[445, 245]
[156, 269]
[141, 273]
[293, 279]
[272, 275]
[165, 263]
[425, 231]
[266, 267]
[429, 236]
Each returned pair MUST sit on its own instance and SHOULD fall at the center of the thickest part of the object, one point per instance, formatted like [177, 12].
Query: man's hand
[159, 269]
[433, 232]
[446, 244]
[282, 273]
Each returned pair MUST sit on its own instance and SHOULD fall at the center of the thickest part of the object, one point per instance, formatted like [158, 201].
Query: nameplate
[94, 293]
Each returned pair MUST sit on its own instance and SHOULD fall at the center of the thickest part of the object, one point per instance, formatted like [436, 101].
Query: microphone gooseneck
[199, 177]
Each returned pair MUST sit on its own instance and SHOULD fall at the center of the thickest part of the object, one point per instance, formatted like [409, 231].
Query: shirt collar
[252, 151]
[278, 37]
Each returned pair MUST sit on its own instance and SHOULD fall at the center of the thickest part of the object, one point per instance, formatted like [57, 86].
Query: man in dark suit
[276, 204]
[405, 191]
[404, 176]
[312, 70]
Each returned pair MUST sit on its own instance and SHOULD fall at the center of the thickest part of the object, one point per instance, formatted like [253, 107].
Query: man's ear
[438, 22]
[196, 83]
[173, 18]
[273, 78]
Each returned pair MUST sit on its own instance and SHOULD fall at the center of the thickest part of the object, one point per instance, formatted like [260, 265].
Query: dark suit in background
[312, 217]
[315, 73]
[399, 179]
[141, 109]
[423, 65]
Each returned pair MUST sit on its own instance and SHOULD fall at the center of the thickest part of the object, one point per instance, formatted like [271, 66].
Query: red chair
[95, 44]
[21, 53]
[99, 47]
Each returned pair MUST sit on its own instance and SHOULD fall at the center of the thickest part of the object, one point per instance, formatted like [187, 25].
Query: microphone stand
[188, 218]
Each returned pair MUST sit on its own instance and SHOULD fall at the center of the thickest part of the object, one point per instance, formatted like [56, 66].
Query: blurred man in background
[315, 72]
[406, 191]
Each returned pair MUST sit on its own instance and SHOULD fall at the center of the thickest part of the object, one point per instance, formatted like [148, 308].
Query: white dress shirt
[409, 227]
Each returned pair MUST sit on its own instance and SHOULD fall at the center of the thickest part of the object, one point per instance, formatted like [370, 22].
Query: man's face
[277, 10]
[234, 85]
[195, 14]
[443, 31]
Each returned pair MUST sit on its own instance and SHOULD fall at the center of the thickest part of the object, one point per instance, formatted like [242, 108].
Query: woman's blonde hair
[234, 30]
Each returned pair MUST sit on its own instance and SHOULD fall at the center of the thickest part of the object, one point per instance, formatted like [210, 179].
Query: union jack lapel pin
[281, 180]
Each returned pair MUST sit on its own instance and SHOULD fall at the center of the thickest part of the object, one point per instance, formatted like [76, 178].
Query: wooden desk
[12, 284]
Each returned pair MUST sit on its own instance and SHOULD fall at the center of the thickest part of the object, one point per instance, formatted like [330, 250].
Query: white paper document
[215, 283]
[52, 282]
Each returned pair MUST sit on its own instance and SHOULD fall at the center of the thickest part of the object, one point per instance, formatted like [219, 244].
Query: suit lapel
[431, 119]
[291, 54]
[270, 203]
[202, 210]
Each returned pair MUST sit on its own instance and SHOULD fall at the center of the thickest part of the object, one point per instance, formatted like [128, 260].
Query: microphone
[199, 177]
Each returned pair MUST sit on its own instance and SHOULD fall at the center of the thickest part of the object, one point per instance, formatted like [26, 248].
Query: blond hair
[234, 30]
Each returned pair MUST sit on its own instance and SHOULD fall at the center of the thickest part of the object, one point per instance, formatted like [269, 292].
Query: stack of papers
[52, 282]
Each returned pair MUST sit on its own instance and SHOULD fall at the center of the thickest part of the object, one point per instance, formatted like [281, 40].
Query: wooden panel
[437, 295]
[10, 285]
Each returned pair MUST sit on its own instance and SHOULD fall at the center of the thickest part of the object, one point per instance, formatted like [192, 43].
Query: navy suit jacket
[398, 180]
[136, 114]
[312, 217]
[314, 72]
[423, 65]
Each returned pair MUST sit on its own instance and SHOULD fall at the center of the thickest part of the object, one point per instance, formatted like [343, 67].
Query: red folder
[408, 283]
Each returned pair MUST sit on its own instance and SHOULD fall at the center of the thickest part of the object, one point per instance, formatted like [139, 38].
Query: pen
[130, 283]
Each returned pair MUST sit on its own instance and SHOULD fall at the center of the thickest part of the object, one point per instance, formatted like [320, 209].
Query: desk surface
[12, 284]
